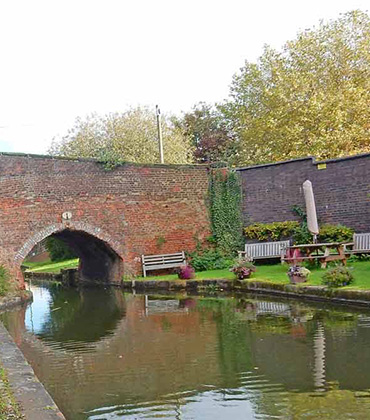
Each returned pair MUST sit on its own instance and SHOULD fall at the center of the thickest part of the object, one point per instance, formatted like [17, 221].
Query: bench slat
[160, 266]
[163, 262]
[362, 242]
[265, 249]
[163, 258]
[163, 255]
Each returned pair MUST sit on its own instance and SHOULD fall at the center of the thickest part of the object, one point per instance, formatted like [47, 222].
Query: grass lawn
[49, 266]
[278, 274]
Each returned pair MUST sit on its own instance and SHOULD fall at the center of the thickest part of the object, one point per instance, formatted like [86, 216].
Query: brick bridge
[109, 218]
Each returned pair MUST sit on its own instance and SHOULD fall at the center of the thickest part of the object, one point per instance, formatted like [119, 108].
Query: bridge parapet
[131, 210]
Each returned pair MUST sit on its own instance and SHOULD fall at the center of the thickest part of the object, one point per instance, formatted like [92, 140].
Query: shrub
[243, 268]
[335, 233]
[58, 250]
[4, 281]
[209, 259]
[271, 231]
[359, 257]
[186, 272]
[302, 235]
[338, 277]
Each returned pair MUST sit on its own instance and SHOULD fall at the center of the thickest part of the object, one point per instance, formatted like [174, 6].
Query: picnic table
[324, 252]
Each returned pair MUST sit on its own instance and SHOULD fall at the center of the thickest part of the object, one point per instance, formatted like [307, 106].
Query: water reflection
[106, 355]
[64, 316]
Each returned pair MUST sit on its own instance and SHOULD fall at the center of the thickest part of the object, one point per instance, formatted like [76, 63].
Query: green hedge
[278, 231]
[335, 233]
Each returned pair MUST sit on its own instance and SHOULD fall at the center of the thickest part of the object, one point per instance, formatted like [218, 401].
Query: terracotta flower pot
[297, 279]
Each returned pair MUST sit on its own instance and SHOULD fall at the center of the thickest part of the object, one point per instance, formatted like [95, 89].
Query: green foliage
[4, 281]
[275, 231]
[207, 129]
[310, 98]
[301, 235]
[124, 137]
[225, 208]
[160, 241]
[209, 259]
[9, 408]
[338, 276]
[278, 231]
[335, 233]
[58, 250]
[358, 257]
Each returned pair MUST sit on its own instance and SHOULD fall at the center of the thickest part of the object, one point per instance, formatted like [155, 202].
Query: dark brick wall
[136, 209]
[342, 191]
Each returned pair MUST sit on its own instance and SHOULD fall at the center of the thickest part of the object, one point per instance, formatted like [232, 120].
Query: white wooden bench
[361, 243]
[265, 250]
[158, 262]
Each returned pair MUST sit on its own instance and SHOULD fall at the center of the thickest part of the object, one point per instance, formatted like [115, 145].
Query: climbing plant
[225, 208]
[4, 281]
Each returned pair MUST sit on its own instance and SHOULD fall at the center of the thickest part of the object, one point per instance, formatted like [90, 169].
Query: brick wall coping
[92, 160]
[311, 158]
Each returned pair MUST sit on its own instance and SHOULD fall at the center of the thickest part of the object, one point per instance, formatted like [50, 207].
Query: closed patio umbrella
[312, 224]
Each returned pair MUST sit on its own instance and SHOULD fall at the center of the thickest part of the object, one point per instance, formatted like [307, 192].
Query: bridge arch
[101, 257]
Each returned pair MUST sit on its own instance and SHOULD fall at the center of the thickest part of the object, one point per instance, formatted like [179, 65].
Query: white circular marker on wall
[67, 215]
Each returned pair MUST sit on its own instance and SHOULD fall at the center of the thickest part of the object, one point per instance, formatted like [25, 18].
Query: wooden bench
[163, 261]
[265, 250]
[361, 243]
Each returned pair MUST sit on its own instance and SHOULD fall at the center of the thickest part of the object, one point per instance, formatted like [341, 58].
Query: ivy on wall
[4, 281]
[225, 208]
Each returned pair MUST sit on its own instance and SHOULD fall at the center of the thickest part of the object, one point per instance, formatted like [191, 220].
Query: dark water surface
[103, 354]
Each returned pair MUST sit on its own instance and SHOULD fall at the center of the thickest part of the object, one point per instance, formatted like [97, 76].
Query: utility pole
[158, 113]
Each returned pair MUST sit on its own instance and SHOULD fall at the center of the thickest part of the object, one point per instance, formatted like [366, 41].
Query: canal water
[103, 354]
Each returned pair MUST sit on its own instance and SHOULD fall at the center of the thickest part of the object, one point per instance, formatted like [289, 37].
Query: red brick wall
[136, 209]
[342, 191]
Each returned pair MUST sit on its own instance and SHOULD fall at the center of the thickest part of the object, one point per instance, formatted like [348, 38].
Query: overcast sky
[63, 59]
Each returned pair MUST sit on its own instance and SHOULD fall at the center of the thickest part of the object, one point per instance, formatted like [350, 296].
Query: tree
[58, 250]
[210, 136]
[130, 136]
[312, 98]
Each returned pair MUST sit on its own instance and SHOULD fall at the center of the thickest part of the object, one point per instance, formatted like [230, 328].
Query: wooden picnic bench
[266, 250]
[322, 252]
[163, 261]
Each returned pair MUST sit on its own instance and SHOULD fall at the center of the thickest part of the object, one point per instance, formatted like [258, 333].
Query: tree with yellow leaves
[130, 136]
[311, 98]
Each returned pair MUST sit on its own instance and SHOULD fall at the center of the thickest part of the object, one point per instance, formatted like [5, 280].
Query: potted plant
[186, 272]
[243, 268]
[298, 274]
